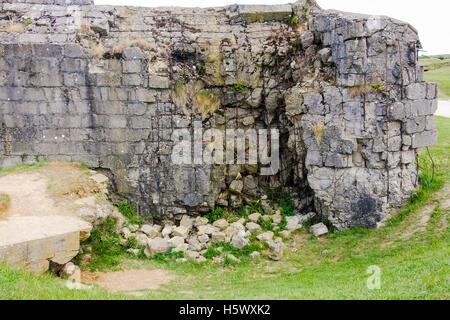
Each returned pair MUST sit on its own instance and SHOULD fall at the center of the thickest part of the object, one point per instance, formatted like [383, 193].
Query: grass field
[439, 72]
[413, 258]
[442, 77]
[434, 62]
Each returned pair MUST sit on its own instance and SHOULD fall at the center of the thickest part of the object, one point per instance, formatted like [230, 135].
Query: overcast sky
[430, 17]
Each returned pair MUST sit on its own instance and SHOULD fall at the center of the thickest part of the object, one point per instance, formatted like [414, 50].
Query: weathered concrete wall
[108, 85]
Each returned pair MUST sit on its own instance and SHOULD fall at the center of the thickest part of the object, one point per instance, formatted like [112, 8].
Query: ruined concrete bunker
[107, 86]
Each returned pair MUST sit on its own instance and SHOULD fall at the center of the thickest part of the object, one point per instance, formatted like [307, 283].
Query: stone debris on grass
[293, 223]
[196, 235]
[222, 224]
[156, 245]
[318, 229]
[265, 236]
[254, 217]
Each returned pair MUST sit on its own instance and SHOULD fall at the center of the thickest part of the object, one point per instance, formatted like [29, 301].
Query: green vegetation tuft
[129, 211]
[240, 87]
[215, 214]
[103, 246]
[211, 253]
[379, 87]
[27, 21]
[254, 207]
[22, 168]
[169, 255]
[294, 20]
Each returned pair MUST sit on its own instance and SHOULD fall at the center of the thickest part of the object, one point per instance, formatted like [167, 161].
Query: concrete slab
[34, 241]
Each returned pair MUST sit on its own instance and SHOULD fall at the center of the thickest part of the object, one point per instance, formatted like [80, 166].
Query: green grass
[434, 62]
[414, 261]
[22, 168]
[19, 284]
[129, 211]
[442, 77]
[104, 247]
[439, 72]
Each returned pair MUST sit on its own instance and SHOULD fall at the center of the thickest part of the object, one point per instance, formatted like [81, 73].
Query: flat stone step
[34, 241]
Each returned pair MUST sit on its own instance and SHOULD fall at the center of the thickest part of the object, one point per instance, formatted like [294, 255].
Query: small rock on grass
[133, 227]
[318, 229]
[141, 239]
[239, 242]
[181, 247]
[150, 231]
[285, 234]
[166, 231]
[254, 217]
[176, 241]
[276, 249]
[218, 237]
[71, 272]
[180, 231]
[126, 232]
[192, 254]
[293, 223]
[156, 245]
[221, 224]
[253, 227]
[133, 251]
[206, 229]
[200, 259]
[233, 258]
[200, 221]
[204, 238]
[266, 236]
[218, 259]
[186, 221]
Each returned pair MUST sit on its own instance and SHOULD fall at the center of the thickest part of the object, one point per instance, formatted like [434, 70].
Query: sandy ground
[28, 195]
[443, 108]
[34, 213]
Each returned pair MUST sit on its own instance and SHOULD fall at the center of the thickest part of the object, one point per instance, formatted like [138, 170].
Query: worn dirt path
[29, 197]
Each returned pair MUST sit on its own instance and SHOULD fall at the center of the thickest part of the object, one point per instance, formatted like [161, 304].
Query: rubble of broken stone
[194, 235]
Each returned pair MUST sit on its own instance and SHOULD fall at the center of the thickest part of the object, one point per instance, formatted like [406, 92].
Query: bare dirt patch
[129, 281]
[28, 195]
[46, 191]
